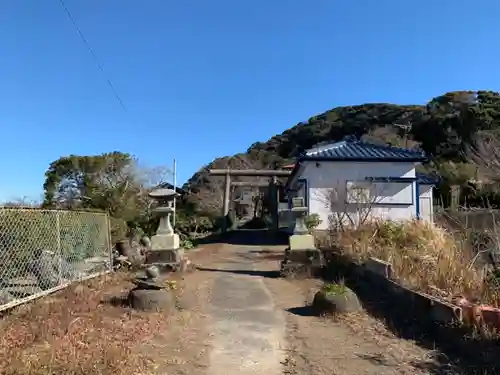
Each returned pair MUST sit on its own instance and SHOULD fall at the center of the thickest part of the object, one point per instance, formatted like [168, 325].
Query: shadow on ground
[246, 237]
[459, 352]
[302, 311]
[121, 301]
[256, 273]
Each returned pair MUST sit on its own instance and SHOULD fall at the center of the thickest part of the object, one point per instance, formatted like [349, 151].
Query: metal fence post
[58, 246]
[108, 241]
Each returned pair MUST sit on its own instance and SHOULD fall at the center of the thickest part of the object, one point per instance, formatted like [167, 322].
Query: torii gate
[274, 174]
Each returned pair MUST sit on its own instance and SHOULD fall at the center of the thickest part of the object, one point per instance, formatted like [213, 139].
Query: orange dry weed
[78, 331]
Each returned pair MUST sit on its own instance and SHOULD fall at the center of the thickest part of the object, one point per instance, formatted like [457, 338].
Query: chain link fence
[42, 251]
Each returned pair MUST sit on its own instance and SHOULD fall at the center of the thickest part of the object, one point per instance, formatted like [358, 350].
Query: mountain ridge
[443, 128]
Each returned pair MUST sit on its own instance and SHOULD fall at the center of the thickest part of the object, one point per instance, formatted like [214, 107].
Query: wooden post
[232, 217]
[455, 197]
[227, 201]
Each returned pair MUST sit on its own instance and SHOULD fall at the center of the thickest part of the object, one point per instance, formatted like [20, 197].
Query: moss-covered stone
[336, 299]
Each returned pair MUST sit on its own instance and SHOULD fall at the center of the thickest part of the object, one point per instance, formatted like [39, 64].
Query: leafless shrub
[210, 198]
[484, 153]
[24, 202]
[350, 204]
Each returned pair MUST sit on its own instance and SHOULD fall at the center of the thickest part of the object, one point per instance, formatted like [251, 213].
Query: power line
[89, 47]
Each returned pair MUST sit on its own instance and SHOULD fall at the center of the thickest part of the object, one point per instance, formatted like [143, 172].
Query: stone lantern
[302, 256]
[165, 249]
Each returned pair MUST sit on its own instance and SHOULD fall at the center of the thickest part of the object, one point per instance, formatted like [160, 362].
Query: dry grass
[424, 257]
[78, 331]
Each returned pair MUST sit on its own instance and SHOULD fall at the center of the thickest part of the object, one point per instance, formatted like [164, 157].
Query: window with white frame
[380, 193]
[300, 191]
[395, 193]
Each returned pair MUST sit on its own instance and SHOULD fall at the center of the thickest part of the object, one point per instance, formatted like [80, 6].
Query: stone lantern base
[302, 263]
[165, 251]
[165, 242]
[157, 257]
[302, 258]
[301, 241]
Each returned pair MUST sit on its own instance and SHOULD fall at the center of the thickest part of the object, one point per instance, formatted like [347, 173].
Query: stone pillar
[227, 202]
[273, 202]
[165, 226]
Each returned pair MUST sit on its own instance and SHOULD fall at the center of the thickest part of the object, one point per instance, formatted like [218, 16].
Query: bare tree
[210, 198]
[350, 203]
[23, 202]
[150, 177]
[388, 134]
[484, 154]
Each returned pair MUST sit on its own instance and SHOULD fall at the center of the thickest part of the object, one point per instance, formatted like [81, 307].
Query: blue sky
[203, 79]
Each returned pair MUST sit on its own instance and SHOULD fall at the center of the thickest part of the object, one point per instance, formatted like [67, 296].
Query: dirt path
[248, 330]
[236, 317]
[260, 325]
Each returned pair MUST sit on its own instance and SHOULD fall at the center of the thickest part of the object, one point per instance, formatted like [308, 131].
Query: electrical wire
[91, 50]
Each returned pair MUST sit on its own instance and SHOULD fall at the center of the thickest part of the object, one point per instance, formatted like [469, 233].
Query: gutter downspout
[417, 199]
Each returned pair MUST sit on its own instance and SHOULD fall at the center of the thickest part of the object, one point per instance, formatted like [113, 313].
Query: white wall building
[350, 181]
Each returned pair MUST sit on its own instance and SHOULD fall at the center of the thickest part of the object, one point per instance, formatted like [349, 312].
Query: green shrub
[312, 221]
[334, 289]
[187, 244]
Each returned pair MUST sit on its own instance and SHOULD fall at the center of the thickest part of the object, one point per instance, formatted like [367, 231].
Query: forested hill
[443, 128]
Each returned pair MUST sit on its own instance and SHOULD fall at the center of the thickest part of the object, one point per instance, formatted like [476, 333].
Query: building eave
[296, 169]
[364, 159]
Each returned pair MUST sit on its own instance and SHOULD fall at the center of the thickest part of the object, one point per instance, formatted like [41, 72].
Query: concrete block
[305, 256]
[164, 256]
[439, 310]
[301, 242]
[165, 242]
[400, 291]
[299, 270]
[445, 312]
[379, 267]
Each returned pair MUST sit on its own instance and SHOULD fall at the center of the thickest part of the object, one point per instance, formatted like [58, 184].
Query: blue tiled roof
[353, 150]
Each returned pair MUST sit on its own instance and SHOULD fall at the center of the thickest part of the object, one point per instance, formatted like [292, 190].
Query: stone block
[164, 256]
[301, 242]
[305, 256]
[165, 242]
[299, 270]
